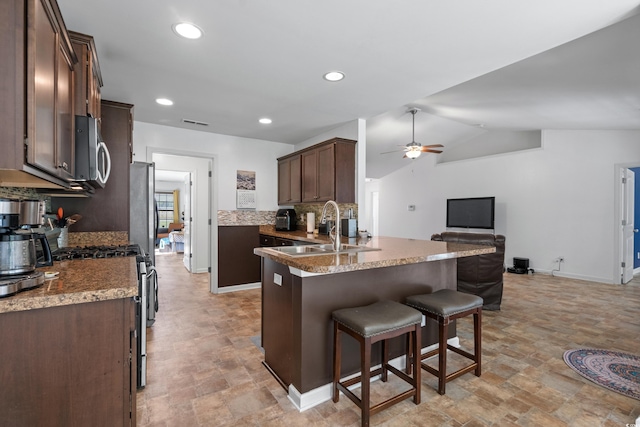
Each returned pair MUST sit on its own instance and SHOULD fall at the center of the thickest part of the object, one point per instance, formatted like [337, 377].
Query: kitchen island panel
[277, 321]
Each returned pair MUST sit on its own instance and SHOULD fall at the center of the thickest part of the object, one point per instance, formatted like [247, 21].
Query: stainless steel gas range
[147, 299]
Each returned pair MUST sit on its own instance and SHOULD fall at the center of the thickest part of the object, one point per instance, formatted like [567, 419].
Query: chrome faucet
[336, 240]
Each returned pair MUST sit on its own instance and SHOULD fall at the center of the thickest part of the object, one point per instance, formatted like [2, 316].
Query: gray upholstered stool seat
[369, 324]
[444, 306]
[445, 302]
[377, 318]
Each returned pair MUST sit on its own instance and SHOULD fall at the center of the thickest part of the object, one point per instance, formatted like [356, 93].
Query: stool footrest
[380, 406]
[392, 401]
[452, 375]
[449, 347]
[461, 352]
[400, 374]
[356, 380]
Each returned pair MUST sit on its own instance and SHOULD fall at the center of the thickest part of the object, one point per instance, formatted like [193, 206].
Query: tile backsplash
[243, 217]
[19, 193]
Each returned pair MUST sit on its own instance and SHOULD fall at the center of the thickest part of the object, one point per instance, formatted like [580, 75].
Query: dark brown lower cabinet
[237, 264]
[69, 366]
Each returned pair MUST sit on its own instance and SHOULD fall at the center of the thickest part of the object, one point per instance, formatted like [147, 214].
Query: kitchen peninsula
[299, 293]
[68, 347]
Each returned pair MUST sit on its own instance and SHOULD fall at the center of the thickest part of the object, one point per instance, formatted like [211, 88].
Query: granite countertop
[393, 251]
[79, 281]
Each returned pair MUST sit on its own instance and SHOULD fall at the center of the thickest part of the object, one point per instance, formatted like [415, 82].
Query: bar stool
[379, 321]
[444, 306]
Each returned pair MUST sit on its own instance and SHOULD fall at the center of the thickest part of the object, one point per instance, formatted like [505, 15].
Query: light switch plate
[411, 208]
[277, 279]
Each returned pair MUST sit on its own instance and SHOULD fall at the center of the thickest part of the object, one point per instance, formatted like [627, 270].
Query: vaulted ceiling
[470, 66]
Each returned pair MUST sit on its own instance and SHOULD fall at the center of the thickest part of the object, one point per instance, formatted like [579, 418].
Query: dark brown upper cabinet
[88, 76]
[37, 86]
[289, 180]
[328, 172]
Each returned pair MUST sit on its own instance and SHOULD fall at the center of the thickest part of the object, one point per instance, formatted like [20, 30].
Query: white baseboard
[572, 276]
[235, 288]
[304, 401]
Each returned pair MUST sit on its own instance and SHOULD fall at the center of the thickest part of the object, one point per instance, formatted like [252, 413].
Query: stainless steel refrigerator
[142, 230]
[142, 209]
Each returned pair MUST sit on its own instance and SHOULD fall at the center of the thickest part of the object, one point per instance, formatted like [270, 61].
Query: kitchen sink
[323, 249]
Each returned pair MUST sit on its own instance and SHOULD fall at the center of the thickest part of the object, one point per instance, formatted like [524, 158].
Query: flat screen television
[476, 212]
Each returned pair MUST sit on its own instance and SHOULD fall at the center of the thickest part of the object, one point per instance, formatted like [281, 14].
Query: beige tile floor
[203, 370]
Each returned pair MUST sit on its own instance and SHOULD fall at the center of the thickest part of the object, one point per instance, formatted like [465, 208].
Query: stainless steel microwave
[93, 163]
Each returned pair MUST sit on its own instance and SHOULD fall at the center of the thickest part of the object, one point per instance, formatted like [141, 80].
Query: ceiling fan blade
[428, 150]
[433, 145]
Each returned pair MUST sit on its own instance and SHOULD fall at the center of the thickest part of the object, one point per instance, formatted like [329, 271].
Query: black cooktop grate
[94, 252]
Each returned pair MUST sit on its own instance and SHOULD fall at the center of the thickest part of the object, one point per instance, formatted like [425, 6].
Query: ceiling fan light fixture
[413, 154]
[187, 30]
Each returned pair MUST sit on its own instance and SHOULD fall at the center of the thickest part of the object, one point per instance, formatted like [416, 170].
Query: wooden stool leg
[477, 341]
[443, 326]
[385, 361]
[410, 355]
[414, 338]
[336, 361]
[365, 385]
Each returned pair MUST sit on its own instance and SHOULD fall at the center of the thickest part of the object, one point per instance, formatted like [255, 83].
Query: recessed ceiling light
[164, 101]
[187, 30]
[334, 76]
[265, 121]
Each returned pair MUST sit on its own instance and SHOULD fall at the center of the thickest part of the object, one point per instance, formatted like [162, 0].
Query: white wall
[554, 201]
[348, 130]
[229, 154]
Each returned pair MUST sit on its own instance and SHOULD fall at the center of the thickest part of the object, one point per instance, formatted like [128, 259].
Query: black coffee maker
[286, 220]
[18, 246]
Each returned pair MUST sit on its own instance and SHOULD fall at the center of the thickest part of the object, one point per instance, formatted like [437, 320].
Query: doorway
[198, 219]
[636, 238]
[173, 203]
[626, 248]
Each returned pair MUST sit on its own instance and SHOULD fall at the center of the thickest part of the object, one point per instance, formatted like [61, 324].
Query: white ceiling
[266, 59]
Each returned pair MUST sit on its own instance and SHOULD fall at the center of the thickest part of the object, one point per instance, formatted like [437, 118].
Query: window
[164, 203]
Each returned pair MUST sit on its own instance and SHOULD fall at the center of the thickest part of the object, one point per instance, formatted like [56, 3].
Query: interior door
[188, 187]
[628, 229]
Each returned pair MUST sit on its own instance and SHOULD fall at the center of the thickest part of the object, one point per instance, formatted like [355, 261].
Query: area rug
[611, 369]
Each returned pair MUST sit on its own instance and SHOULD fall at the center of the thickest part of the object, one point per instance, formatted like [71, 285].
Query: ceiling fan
[414, 149]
